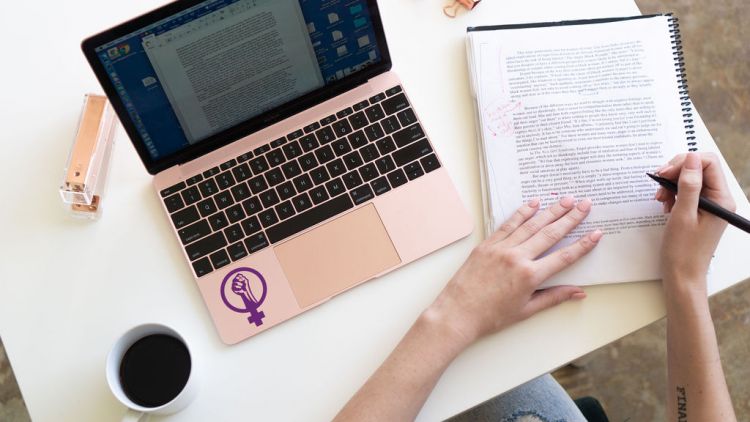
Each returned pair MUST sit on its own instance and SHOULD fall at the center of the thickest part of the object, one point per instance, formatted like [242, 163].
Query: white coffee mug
[135, 411]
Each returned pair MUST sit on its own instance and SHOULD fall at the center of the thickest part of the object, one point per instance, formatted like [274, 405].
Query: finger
[540, 220]
[554, 232]
[566, 256]
[548, 298]
[689, 185]
[519, 217]
[668, 204]
[713, 176]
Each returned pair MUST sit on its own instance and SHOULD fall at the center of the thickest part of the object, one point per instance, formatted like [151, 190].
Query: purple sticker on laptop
[247, 291]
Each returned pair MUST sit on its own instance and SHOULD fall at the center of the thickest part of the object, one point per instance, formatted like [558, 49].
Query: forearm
[697, 390]
[399, 388]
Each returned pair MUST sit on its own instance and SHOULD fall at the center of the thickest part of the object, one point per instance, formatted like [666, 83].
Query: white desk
[68, 289]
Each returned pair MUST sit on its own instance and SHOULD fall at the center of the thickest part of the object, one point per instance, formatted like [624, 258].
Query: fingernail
[664, 208]
[664, 168]
[584, 205]
[578, 296]
[567, 202]
[657, 195]
[533, 203]
[692, 161]
[596, 235]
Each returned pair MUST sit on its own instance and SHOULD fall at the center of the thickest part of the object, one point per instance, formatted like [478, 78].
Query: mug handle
[134, 416]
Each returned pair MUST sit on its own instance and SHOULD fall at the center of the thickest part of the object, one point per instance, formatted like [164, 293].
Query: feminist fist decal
[247, 291]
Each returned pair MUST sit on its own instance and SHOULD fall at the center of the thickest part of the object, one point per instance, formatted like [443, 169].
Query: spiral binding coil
[682, 86]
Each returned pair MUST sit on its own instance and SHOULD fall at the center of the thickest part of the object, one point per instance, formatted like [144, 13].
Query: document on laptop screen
[233, 64]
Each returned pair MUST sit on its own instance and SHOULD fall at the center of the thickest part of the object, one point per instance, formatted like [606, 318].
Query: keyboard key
[341, 127]
[172, 189]
[324, 154]
[308, 143]
[285, 210]
[229, 164]
[390, 124]
[335, 187]
[327, 120]
[397, 178]
[259, 164]
[274, 177]
[292, 150]
[296, 134]
[252, 205]
[341, 147]
[375, 113]
[268, 218]
[368, 172]
[256, 242]
[352, 160]
[235, 213]
[233, 233]
[369, 153]
[250, 225]
[386, 145]
[211, 172]
[360, 105]
[336, 168]
[309, 218]
[361, 194]
[358, 120]
[319, 175]
[413, 170]
[301, 202]
[357, 139]
[377, 98]
[385, 164]
[430, 163]
[307, 161]
[174, 203]
[205, 246]
[278, 142]
[190, 196]
[302, 183]
[218, 221]
[319, 195]
[395, 104]
[194, 232]
[352, 179]
[193, 180]
[225, 180]
[237, 251]
[220, 259]
[208, 187]
[291, 169]
[406, 117]
[223, 199]
[269, 198]
[392, 91]
[202, 267]
[374, 132]
[262, 149]
[275, 157]
[380, 185]
[241, 192]
[207, 207]
[345, 112]
[286, 190]
[408, 135]
[244, 157]
[311, 127]
[258, 184]
[412, 152]
[325, 135]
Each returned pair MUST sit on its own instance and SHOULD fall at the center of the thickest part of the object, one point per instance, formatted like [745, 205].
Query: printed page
[583, 110]
[234, 63]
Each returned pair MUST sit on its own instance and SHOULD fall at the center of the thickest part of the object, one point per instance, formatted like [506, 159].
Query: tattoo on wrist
[681, 404]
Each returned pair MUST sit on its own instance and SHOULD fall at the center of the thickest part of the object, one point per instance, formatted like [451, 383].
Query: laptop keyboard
[295, 182]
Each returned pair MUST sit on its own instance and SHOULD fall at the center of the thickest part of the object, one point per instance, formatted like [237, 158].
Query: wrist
[440, 319]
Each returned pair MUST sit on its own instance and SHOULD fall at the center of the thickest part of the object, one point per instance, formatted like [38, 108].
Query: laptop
[286, 154]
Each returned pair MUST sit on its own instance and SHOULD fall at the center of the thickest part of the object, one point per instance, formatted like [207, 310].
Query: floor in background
[629, 375]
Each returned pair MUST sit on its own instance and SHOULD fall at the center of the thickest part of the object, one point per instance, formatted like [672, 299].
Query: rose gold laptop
[285, 152]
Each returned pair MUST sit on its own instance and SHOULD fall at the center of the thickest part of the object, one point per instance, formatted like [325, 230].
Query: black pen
[708, 205]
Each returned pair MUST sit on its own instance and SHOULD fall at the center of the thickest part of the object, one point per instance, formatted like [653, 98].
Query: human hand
[497, 285]
[691, 235]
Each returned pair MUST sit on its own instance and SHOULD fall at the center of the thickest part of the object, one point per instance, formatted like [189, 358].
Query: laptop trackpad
[337, 255]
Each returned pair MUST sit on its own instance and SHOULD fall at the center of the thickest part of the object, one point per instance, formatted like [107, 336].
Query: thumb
[689, 185]
[547, 298]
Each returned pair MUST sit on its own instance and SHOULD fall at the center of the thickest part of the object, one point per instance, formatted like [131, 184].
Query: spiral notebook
[583, 108]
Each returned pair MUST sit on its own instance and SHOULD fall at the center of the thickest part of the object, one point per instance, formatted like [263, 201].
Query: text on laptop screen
[221, 62]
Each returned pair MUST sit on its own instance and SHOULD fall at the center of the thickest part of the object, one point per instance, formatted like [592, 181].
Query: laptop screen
[218, 63]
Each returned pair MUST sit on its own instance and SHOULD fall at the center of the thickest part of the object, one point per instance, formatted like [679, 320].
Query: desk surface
[68, 288]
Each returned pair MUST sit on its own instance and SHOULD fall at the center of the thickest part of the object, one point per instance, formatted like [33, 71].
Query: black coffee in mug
[154, 370]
